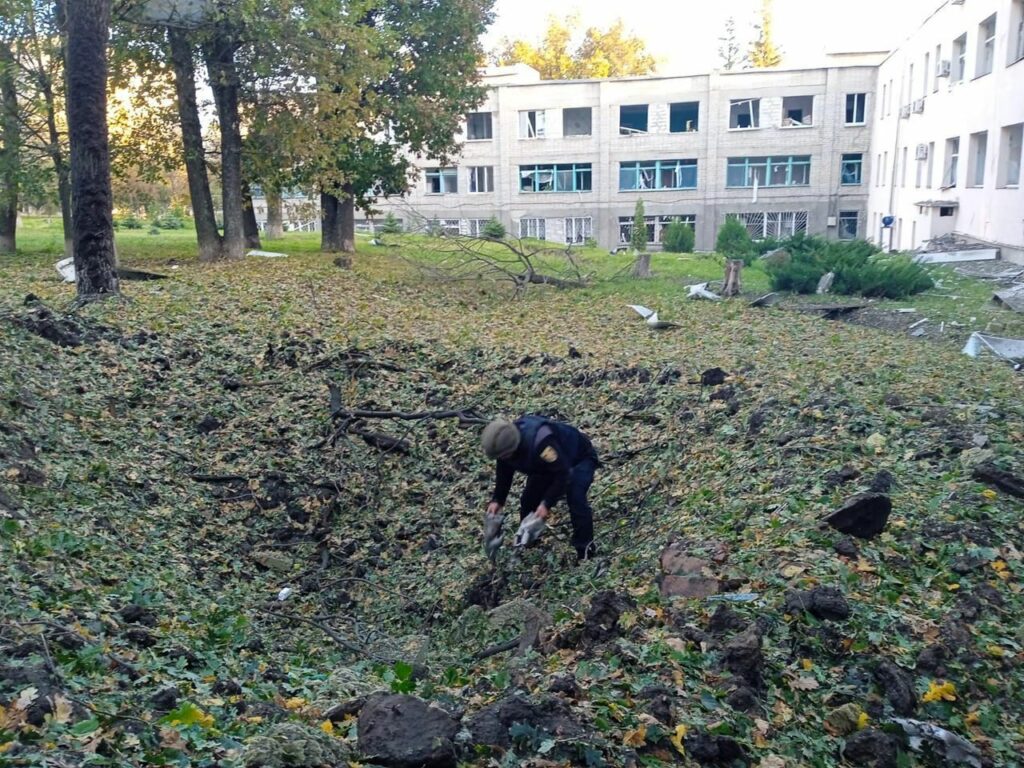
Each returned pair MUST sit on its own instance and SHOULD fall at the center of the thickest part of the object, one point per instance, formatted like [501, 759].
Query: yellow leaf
[989, 494]
[636, 738]
[792, 570]
[995, 650]
[999, 566]
[939, 692]
[327, 726]
[862, 721]
[61, 709]
[295, 702]
[677, 738]
[807, 664]
[7, 746]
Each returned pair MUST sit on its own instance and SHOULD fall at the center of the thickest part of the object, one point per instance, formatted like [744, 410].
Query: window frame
[860, 99]
[770, 165]
[810, 113]
[589, 110]
[655, 226]
[1010, 135]
[959, 73]
[580, 233]
[747, 218]
[578, 172]
[490, 126]
[537, 223]
[855, 159]
[488, 177]
[625, 130]
[657, 168]
[847, 215]
[986, 47]
[755, 114]
[696, 126]
[951, 166]
[535, 129]
[977, 160]
[441, 172]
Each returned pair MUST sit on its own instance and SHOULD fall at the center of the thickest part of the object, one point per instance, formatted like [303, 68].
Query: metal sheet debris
[66, 268]
[950, 257]
[1007, 349]
[701, 291]
[1011, 298]
[267, 254]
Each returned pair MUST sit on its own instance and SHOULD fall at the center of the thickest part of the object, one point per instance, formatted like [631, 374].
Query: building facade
[565, 161]
[946, 135]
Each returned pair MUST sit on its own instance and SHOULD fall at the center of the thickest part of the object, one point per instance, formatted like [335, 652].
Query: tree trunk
[330, 223]
[642, 265]
[220, 63]
[275, 215]
[347, 225]
[733, 270]
[88, 23]
[55, 149]
[10, 154]
[251, 228]
[203, 215]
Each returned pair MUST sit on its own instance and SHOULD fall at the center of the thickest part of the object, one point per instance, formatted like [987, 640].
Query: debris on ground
[954, 749]
[864, 515]
[1011, 350]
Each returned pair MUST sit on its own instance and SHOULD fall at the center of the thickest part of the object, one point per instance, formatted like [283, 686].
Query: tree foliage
[638, 236]
[601, 53]
[764, 53]
[679, 238]
[729, 48]
[734, 241]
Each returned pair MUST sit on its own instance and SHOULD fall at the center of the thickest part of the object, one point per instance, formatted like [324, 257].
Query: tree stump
[733, 270]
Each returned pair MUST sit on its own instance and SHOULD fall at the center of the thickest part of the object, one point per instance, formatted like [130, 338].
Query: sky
[683, 34]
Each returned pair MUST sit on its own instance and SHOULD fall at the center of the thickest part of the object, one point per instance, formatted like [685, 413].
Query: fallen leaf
[677, 738]
[636, 737]
[939, 692]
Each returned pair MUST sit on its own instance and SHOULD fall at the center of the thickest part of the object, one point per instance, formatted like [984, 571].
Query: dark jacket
[547, 449]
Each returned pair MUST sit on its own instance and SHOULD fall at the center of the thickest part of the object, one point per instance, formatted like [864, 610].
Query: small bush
[734, 241]
[131, 221]
[169, 220]
[638, 237]
[860, 268]
[494, 229]
[678, 238]
[391, 225]
[154, 230]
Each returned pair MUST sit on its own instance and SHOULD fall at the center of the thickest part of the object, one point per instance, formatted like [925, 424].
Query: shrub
[131, 221]
[494, 229]
[678, 238]
[859, 268]
[638, 238]
[169, 220]
[390, 225]
[734, 241]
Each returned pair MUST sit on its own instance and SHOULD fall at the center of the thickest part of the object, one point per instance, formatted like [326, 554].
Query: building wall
[711, 145]
[941, 107]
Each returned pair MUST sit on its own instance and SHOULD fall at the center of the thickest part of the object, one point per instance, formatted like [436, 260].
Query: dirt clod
[707, 749]
[405, 732]
[490, 726]
[871, 748]
[864, 515]
[898, 686]
[743, 655]
[820, 602]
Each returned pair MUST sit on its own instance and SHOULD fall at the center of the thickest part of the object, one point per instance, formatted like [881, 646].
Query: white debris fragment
[700, 291]
[284, 594]
[66, 268]
[1007, 349]
[267, 254]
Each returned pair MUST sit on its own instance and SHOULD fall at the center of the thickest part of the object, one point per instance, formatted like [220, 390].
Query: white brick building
[788, 150]
[947, 134]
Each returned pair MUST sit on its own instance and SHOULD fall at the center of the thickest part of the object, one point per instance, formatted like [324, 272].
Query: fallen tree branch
[494, 650]
[343, 642]
[1004, 481]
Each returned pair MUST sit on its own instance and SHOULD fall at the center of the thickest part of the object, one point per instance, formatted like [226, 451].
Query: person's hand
[494, 508]
[543, 511]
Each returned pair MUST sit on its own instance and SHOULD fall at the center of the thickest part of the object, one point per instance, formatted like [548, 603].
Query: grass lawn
[161, 483]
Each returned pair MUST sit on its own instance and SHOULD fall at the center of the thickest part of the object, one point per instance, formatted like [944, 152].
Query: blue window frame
[784, 171]
[852, 168]
[658, 174]
[561, 177]
[442, 181]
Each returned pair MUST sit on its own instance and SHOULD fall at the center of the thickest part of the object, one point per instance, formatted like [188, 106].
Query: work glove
[492, 533]
[529, 530]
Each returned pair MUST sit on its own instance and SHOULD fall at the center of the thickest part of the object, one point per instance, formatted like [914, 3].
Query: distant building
[947, 133]
[785, 150]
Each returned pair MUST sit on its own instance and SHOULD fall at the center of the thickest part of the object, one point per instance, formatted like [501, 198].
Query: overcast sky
[683, 34]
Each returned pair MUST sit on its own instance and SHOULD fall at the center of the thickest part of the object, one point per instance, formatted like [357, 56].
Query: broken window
[1017, 31]
[442, 181]
[578, 229]
[775, 225]
[655, 226]
[797, 111]
[979, 152]
[481, 178]
[852, 168]
[1010, 162]
[946, 211]
[532, 124]
[856, 104]
[683, 116]
[952, 161]
[632, 119]
[534, 228]
[986, 46]
[744, 113]
[960, 59]
[577, 121]
[479, 126]
[658, 174]
[785, 171]
[849, 222]
[565, 177]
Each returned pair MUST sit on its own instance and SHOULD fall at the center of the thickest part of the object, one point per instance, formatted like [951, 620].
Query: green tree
[678, 238]
[601, 53]
[494, 229]
[10, 148]
[763, 51]
[638, 242]
[734, 241]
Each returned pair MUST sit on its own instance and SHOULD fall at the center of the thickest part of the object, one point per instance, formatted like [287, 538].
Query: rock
[275, 561]
[821, 602]
[898, 686]
[675, 559]
[707, 749]
[844, 546]
[490, 726]
[864, 515]
[743, 655]
[688, 586]
[975, 457]
[871, 748]
[402, 731]
[825, 284]
[349, 708]
[843, 720]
